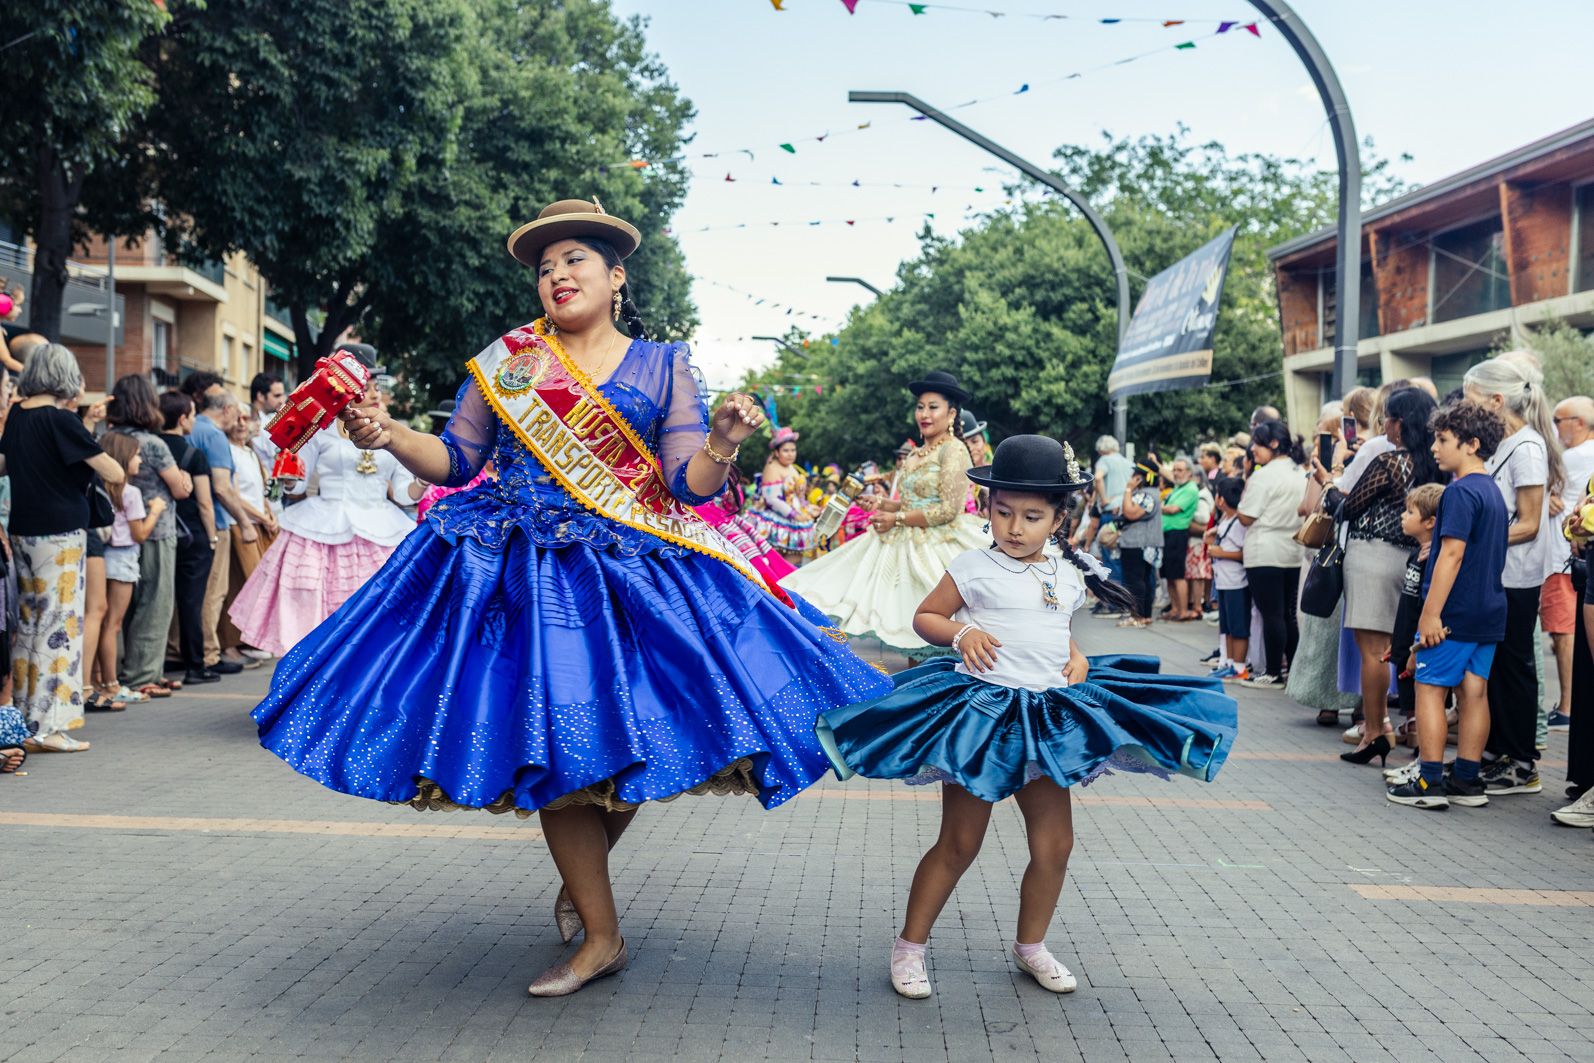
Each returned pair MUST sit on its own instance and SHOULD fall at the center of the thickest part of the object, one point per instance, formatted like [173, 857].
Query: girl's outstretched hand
[979, 650]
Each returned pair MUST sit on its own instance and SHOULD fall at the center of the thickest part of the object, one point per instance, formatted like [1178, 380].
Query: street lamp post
[783, 343]
[1348, 255]
[1050, 180]
[856, 280]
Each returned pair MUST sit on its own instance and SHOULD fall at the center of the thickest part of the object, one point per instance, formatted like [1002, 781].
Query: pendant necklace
[1048, 581]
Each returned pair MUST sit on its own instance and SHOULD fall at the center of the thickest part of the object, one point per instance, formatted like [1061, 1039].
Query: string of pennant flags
[1224, 28]
[915, 8]
[758, 300]
[776, 181]
[850, 223]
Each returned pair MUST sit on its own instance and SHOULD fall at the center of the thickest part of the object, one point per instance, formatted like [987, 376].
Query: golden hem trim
[735, 778]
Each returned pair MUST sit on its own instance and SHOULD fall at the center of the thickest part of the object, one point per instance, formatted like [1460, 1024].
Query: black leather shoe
[225, 668]
[204, 675]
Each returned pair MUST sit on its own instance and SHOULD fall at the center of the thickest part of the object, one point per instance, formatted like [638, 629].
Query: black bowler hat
[969, 425]
[1031, 463]
[942, 383]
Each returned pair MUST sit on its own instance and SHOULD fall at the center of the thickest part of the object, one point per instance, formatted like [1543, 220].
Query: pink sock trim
[1029, 952]
[907, 946]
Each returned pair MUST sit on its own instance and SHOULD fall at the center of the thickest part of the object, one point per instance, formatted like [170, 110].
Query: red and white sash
[587, 446]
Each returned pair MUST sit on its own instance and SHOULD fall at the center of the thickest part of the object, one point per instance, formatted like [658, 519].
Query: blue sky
[1449, 83]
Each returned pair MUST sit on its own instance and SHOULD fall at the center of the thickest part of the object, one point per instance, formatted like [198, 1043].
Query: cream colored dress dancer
[873, 584]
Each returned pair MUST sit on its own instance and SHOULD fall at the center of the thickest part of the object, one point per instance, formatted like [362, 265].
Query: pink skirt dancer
[740, 531]
[298, 584]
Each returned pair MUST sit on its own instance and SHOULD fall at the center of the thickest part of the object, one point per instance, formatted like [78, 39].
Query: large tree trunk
[304, 340]
[59, 192]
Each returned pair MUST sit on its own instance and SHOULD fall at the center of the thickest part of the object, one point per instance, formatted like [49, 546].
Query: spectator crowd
[128, 523]
[1418, 562]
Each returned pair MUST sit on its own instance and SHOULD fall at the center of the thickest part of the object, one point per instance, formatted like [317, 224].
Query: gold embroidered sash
[587, 446]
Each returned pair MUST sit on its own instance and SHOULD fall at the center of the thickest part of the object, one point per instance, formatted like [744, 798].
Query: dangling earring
[987, 528]
[617, 304]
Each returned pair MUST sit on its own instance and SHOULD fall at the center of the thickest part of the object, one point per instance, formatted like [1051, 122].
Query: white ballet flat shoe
[1048, 972]
[908, 976]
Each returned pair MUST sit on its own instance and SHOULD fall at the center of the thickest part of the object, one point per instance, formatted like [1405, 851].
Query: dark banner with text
[1169, 342]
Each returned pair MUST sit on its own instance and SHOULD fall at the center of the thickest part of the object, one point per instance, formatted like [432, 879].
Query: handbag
[101, 513]
[1316, 532]
[1325, 581]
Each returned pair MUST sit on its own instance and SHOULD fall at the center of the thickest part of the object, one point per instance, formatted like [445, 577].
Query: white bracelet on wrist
[959, 637]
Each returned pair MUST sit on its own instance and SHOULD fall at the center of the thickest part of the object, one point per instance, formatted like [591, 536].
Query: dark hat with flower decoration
[1031, 463]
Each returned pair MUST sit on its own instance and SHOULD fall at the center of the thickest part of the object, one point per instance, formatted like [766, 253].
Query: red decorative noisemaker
[338, 381]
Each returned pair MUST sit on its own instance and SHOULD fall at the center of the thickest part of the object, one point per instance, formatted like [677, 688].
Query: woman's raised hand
[369, 427]
[736, 418]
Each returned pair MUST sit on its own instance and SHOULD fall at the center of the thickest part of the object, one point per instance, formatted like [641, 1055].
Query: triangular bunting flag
[1186, 44]
[917, 9]
[1224, 27]
[788, 147]
[1172, 22]
[777, 4]
[1254, 31]
[851, 6]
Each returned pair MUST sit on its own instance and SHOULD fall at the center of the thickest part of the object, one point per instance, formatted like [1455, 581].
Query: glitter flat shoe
[565, 916]
[1047, 972]
[560, 981]
[908, 976]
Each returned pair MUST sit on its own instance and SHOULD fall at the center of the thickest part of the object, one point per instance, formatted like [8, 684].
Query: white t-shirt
[1522, 461]
[1229, 575]
[1579, 467]
[1272, 496]
[1003, 599]
[247, 479]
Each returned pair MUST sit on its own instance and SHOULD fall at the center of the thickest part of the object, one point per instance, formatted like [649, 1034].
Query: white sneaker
[1264, 681]
[1407, 772]
[1047, 971]
[908, 976]
[254, 654]
[1579, 813]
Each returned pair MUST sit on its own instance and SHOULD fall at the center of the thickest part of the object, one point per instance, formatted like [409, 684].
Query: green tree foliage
[371, 157]
[74, 82]
[1022, 306]
[1566, 353]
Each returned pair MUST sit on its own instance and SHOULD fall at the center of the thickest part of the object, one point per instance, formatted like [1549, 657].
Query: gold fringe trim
[736, 778]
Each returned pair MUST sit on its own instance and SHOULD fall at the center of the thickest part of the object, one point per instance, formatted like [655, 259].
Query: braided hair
[1110, 593]
[628, 308]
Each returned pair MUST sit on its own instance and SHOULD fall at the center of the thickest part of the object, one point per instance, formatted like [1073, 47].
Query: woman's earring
[617, 304]
[987, 528]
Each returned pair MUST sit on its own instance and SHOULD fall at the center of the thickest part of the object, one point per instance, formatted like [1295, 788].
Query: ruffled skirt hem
[942, 726]
[736, 778]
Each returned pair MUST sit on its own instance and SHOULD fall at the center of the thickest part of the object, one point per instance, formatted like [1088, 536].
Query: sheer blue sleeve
[469, 435]
[685, 424]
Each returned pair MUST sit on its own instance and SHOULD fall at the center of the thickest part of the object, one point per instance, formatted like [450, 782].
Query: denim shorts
[1444, 665]
[121, 563]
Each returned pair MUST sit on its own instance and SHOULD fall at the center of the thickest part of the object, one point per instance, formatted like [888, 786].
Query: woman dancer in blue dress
[568, 638]
[1023, 712]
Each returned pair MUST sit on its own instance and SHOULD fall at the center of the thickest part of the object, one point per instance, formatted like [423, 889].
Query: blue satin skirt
[941, 725]
[507, 677]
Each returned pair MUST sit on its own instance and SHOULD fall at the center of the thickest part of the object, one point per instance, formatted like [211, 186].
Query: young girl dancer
[1017, 715]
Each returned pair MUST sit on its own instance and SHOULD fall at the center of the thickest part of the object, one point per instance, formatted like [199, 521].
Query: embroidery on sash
[588, 447]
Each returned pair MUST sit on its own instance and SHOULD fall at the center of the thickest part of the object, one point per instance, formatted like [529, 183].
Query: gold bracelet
[718, 458]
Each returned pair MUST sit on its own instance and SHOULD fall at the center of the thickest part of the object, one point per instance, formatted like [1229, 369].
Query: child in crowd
[134, 523]
[1463, 611]
[1014, 713]
[1225, 543]
[1417, 524]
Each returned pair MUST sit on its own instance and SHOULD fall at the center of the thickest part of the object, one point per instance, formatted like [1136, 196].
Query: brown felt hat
[566, 219]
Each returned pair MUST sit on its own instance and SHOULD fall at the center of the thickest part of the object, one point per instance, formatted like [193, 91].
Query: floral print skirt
[47, 660]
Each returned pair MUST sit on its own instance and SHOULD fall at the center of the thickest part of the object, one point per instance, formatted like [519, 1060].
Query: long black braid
[1110, 593]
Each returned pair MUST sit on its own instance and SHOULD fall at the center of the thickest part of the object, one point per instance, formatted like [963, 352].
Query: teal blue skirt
[939, 725]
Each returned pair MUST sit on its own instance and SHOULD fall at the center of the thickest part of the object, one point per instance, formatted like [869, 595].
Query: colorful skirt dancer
[941, 725]
[742, 532]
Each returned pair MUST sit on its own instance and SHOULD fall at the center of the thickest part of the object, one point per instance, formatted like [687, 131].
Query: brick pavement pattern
[179, 894]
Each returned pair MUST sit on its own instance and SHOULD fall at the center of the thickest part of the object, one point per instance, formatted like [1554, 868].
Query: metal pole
[110, 313]
[855, 280]
[783, 343]
[1050, 180]
[1348, 254]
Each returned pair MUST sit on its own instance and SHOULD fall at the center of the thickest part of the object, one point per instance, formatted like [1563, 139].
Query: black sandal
[1328, 718]
[100, 702]
[7, 754]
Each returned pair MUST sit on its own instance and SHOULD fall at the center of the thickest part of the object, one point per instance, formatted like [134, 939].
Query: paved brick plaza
[177, 893]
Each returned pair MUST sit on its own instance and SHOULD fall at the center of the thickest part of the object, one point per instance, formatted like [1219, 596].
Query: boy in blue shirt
[1463, 611]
